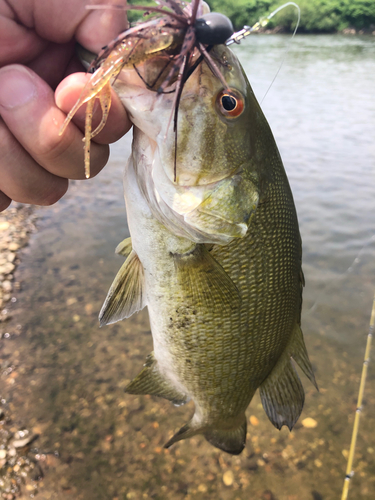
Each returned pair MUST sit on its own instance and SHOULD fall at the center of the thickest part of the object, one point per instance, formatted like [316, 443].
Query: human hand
[36, 54]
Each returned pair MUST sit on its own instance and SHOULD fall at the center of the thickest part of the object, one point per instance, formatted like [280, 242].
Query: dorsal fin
[151, 381]
[126, 295]
[282, 394]
[300, 356]
[204, 278]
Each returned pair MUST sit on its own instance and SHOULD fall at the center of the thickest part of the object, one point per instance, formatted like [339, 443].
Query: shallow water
[68, 377]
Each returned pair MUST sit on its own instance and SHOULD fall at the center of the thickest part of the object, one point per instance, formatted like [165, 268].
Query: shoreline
[19, 469]
[281, 30]
[16, 224]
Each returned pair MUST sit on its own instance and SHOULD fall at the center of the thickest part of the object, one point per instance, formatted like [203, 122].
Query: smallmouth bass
[214, 254]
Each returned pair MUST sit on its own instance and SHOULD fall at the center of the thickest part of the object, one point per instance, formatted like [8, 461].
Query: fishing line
[349, 467]
[289, 44]
[263, 21]
[356, 261]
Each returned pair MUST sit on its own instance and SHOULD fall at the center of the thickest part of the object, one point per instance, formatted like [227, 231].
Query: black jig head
[213, 29]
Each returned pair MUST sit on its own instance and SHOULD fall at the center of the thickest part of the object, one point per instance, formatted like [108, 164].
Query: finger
[61, 21]
[4, 201]
[22, 179]
[52, 63]
[18, 43]
[28, 108]
[118, 122]
[108, 23]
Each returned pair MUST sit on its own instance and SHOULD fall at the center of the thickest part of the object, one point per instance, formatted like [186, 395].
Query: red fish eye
[230, 103]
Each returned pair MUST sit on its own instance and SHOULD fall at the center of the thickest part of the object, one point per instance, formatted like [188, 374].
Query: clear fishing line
[263, 21]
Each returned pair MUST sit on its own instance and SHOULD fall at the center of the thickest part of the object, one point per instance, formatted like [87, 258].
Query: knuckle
[52, 147]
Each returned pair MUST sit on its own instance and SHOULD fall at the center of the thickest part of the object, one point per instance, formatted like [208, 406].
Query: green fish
[214, 254]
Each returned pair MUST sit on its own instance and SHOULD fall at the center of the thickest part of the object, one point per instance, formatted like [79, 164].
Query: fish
[215, 254]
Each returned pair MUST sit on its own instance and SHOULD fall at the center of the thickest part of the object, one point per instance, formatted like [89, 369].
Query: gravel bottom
[19, 469]
[16, 223]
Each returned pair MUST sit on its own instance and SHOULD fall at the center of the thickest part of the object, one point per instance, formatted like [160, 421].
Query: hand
[36, 54]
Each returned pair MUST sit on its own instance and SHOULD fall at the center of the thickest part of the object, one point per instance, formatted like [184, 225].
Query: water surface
[71, 374]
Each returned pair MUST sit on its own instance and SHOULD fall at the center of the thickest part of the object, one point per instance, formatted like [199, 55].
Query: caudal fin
[231, 440]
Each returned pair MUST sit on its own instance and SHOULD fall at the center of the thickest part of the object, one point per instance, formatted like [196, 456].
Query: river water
[71, 374]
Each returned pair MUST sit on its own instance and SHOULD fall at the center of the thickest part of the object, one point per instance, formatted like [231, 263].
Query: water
[71, 374]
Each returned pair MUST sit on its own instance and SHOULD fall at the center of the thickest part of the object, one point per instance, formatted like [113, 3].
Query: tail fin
[231, 440]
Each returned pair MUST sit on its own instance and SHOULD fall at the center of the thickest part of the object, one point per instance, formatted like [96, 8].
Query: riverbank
[16, 224]
[317, 16]
[17, 465]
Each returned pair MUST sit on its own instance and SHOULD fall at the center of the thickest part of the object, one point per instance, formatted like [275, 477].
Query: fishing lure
[181, 26]
[187, 28]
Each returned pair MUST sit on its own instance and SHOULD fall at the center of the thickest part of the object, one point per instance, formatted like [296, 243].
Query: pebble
[254, 420]
[11, 257]
[309, 423]
[3, 454]
[21, 443]
[15, 225]
[7, 286]
[228, 478]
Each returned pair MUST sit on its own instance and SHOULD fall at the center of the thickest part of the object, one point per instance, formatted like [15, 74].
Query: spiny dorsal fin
[282, 394]
[124, 248]
[299, 354]
[150, 381]
[126, 296]
[205, 280]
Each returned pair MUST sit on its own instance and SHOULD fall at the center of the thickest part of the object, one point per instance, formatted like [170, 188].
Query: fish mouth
[151, 73]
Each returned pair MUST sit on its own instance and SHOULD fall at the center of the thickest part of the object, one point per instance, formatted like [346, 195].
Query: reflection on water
[71, 374]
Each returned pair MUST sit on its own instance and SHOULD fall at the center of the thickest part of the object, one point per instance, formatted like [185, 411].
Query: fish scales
[215, 255]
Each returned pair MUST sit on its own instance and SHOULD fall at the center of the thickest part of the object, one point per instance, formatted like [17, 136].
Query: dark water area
[68, 375]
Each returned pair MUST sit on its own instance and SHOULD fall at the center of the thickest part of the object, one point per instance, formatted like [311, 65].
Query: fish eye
[230, 103]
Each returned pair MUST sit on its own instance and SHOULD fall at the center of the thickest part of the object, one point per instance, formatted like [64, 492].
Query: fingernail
[17, 87]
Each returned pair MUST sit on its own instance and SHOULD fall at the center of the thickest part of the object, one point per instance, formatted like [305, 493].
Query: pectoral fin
[150, 381]
[227, 210]
[126, 295]
[205, 280]
[124, 248]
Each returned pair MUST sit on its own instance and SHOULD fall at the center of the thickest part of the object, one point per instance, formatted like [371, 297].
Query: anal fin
[151, 381]
[124, 248]
[126, 295]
